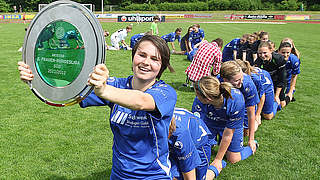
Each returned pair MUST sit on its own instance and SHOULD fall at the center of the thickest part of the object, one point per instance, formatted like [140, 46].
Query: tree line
[173, 5]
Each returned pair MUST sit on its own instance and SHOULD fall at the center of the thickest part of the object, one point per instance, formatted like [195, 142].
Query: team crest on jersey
[111, 79]
[198, 108]
[178, 145]
[247, 89]
[296, 64]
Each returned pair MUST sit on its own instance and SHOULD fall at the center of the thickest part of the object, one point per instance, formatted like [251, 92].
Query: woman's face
[236, 80]
[265, 38]
[146, 62]
[251, 40]
[265, 53]
[195, 29]
[285, 51]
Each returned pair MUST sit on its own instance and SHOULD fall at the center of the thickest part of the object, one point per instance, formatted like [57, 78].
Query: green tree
[4, 7]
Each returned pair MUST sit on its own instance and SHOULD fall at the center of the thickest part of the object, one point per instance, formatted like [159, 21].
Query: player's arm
[224, 144]
[277, 94]
[292, 85]
[234, 54]
[132, 99]
[172, 45]
[260, 106]
[251, 122]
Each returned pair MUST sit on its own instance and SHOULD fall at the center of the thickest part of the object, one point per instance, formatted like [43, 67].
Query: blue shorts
[236, 144]
[205, 154]
[268, 103]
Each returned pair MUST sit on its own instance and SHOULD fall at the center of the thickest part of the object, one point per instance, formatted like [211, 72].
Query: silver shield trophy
[63, 43]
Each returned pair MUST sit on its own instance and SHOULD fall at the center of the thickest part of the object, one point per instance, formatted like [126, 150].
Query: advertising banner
[140, 18]
[258, 16]
[297, 17]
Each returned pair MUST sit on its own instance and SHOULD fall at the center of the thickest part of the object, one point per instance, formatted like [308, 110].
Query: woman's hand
[25, 72]
[98, 78]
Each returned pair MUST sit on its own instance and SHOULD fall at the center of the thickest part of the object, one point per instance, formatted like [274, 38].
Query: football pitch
[38, 141]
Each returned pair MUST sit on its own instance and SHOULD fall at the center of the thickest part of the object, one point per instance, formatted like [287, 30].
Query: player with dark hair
[171, 37]
[141, 111]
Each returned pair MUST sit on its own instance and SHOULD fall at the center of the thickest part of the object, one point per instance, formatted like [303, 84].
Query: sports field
[38, 141]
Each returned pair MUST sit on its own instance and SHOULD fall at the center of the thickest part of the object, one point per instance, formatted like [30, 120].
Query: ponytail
[225, 90]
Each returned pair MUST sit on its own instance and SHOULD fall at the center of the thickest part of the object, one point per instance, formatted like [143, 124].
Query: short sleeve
[185, 152]
[165, 98]
[235, 111]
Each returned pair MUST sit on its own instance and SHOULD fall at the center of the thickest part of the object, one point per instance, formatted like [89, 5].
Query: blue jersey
[135, 38]
[292, 68]
[187, 142]
[248, 89]
[140, 138]
[230, 115]
[267, 82]
[227, 53]
[171, 37]
[196, 37]
[257, 78]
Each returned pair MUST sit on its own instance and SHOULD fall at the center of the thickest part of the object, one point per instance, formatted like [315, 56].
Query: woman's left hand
[252, 145]
[98, 78]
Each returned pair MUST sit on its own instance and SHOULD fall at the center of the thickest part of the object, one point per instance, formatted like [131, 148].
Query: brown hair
[179, 29]
[262, 33]
[163, 49]
[219, 41]
[172, 127]
[229, 69]
[129, 27]
[265, 44]
[245, 66]
[294, 50]
[211, 87]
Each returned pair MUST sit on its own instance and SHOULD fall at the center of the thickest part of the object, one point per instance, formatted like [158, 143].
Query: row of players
[192, 38]
[143, 107]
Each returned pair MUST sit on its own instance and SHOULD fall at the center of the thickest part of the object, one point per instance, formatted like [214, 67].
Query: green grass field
[38, 141]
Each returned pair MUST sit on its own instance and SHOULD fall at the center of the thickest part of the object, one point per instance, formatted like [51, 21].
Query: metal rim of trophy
[94, 44]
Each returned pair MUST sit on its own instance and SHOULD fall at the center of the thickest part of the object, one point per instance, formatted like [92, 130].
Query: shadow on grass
[103, 175]
[179, 86]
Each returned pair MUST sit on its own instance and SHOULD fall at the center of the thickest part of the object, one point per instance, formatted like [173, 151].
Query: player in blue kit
[190, 146]
[141, 111]
[135, 38]
[257, 80]
[231, 50]
[231, 72]
[292, 70]
[222, 109]
[196, 36]
[171, 37]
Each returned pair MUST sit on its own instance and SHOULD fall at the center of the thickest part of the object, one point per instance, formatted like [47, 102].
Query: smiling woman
[142, 108]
